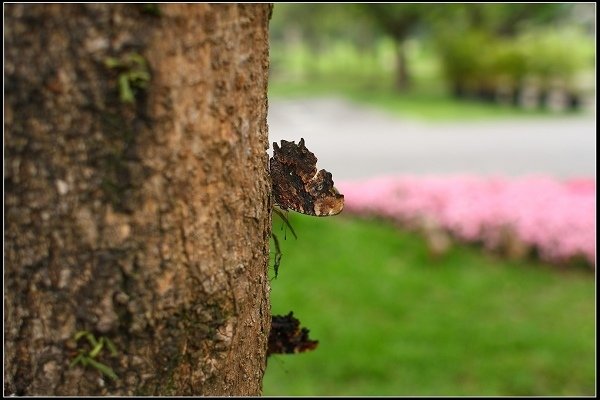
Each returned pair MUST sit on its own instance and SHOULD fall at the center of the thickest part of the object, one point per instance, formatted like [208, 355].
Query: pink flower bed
[558, 218]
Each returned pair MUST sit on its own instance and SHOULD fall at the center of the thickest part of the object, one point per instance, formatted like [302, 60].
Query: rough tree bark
[144, 223]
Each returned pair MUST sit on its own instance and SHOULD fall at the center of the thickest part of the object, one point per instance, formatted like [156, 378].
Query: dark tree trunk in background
[399, 21]
[402, 81]
[146, 222]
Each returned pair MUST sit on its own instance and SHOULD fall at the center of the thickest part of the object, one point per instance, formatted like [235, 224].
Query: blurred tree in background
[490, 48]
[500, 19]
[487, 51]
[399, 21]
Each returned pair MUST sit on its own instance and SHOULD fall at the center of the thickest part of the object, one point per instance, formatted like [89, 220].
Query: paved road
[354, 142]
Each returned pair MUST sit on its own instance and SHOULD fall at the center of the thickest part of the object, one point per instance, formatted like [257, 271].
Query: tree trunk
[137, 199]
[402, 81]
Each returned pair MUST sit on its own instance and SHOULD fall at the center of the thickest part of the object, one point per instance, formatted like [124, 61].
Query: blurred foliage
[487, 46]
[319, 24]
[399, 21]
[497, 19]
[557, 52]
[475, 61]
[482, 47]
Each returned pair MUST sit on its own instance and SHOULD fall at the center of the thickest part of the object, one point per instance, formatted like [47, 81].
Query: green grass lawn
[417, 104]
[392, 321]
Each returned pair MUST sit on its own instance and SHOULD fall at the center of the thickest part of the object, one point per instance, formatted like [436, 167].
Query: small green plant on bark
[85, 357]
[133, 74]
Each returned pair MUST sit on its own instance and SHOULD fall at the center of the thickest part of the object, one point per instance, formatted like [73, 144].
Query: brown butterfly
[298, 186]
[287, 337]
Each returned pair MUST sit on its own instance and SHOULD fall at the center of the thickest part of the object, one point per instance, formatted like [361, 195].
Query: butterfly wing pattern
[298, 186]
[287, 337]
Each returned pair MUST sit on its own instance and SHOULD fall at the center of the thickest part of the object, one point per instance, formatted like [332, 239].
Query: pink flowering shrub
[558, 218]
